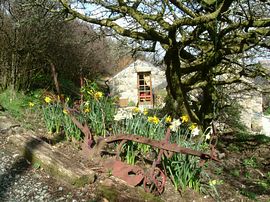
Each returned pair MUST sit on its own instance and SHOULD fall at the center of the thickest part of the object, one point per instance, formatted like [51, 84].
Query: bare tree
[201, 40]
[36, 43]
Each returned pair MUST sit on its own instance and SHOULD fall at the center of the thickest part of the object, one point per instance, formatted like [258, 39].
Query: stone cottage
[255, 102]
[136, 84]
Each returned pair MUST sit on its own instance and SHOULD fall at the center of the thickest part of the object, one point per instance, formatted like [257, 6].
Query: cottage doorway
[145, 95]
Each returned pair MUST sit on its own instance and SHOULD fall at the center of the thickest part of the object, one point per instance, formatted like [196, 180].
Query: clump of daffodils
[96, 94]
[122, 114]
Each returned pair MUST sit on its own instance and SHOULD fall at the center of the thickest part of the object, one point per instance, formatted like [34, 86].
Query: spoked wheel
[155, 181]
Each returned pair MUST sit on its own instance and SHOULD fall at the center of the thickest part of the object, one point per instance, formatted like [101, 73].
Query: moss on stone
[108, 193]
[53, 170]
[130, 194]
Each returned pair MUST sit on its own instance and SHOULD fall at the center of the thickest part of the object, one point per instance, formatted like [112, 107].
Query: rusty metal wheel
[154, 182]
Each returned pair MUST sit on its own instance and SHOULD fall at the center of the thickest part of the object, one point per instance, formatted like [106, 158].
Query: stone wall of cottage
[124, 84]
[252, 111]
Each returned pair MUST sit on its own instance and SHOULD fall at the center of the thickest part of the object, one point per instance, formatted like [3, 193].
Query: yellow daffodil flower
[31, 104]
[65, 111]
[87, 110]
[136, 110]
[192, 126]
[185, 118]
[47, 99]
[98, 95]
[153, 119]
[145, 111]
[212, 182]
[215, 182]
[168, 119]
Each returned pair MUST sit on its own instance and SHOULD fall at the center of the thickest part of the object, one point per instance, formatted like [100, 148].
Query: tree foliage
[203, 41]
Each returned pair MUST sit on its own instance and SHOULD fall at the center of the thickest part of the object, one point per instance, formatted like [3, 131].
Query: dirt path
[20, 181]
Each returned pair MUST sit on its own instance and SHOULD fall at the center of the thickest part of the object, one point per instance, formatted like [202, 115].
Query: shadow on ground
[23, 164]
[20, 166]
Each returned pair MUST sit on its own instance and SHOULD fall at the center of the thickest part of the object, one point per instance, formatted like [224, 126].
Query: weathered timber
[51, 160]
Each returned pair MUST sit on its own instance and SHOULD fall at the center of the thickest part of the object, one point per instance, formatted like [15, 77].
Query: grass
[17, 104]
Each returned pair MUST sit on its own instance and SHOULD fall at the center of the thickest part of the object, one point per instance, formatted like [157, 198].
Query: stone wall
[252, 111]
[124, 84]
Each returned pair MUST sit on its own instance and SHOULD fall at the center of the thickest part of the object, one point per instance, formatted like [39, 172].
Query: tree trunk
[13, 75]
[175, 89]
[54, 74]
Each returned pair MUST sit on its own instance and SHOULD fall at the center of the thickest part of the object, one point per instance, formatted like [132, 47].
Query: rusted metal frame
[151, 178]
[84, 128]
[118, 149]
[160, 144]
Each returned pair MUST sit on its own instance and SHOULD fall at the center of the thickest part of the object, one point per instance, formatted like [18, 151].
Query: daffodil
[145, 111]
[207, 137]
[153, 119]
[87, 110]
[47, 99]
[31, 104]
[192, 126]
[65, 111]
[215, 182]
[136, 110]
[184, 118]
[175, 124]
[98, 95]
[122, 114]
[168, 119]
[195, 131]
[212, 182]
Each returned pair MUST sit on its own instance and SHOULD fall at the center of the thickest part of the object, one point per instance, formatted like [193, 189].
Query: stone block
[52, 160]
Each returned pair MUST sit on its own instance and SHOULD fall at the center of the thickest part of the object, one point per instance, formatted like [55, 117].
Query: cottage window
[145, 88]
